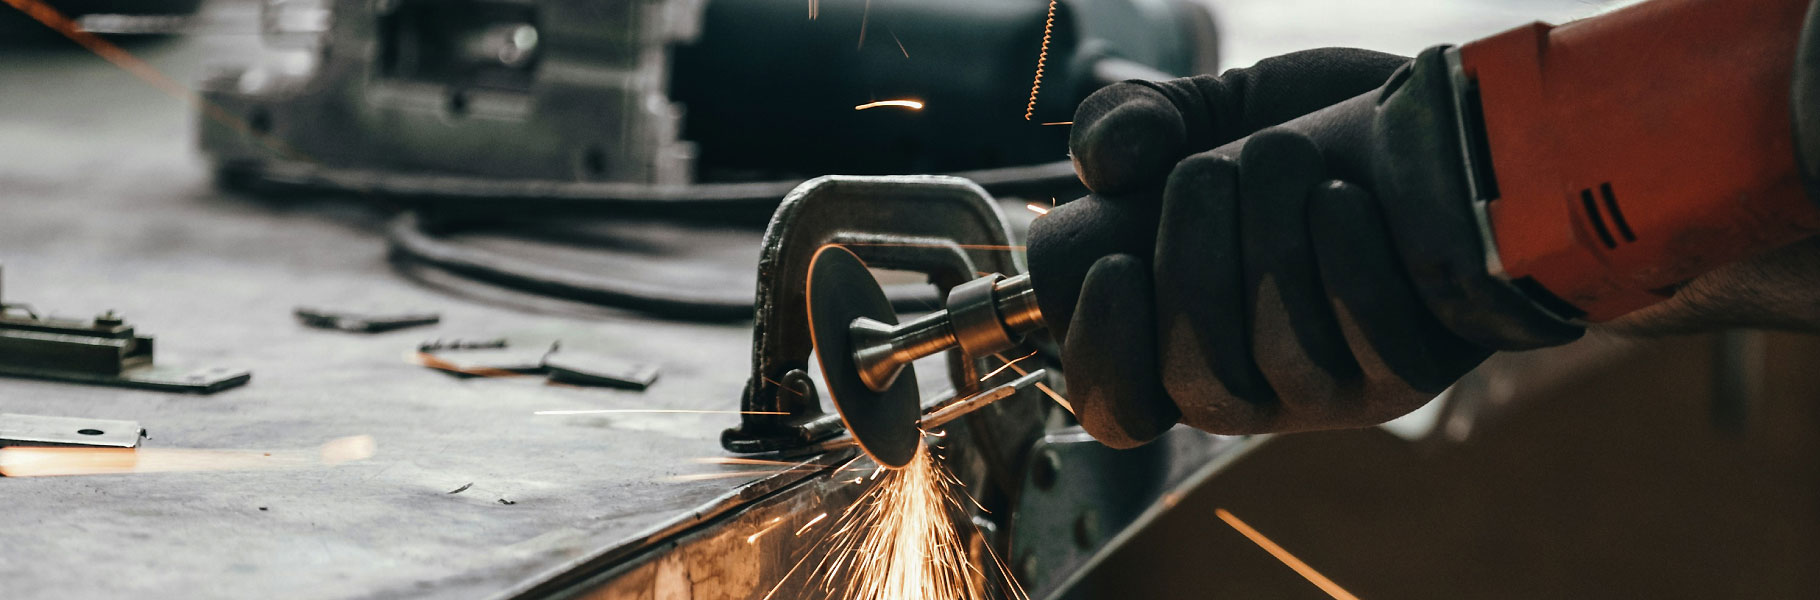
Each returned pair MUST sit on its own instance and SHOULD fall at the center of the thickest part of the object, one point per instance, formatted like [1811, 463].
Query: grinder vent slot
[1617, 216]
[1598, 218]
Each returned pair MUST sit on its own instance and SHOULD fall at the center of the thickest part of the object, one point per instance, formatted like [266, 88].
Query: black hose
[410, 239]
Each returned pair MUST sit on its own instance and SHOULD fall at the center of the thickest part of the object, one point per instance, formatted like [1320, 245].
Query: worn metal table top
[104, 205]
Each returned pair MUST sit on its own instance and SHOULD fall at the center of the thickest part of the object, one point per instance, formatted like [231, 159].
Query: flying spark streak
[733, 460]
[1060, 123]
[811, 523]
[898, 541]
[910, 104]
[900, 43]
[33, 461]
[815, 9]
[656, 411]
[1301, 568]
[1037, 209]
[1042, 57]
[1059, 400]
[40, 11]
[769, 525]
[734, 474]
[864, 17]
[914, 245]
[1007, 364]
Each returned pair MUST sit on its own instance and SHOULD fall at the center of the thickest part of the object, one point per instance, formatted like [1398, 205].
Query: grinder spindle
[864, 353]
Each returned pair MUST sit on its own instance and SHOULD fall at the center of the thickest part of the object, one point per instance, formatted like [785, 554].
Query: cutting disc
[840, 290]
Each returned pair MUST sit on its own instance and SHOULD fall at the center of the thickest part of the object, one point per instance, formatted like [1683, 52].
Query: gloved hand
[1278, 296]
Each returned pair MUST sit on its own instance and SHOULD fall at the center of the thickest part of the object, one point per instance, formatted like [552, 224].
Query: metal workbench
[105, 205]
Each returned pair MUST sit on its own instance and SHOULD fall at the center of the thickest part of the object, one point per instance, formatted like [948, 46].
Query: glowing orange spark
[1060, 123]
[769, 525]
[656, 411]
[733, 474]
[1036, 209]
[33, 461]
[426, 359]
[915, 245]
[780, 386]
[910, 104]
[864, 17]
[734, 460]
[1301, 568]
[899, 541]
[900, 43]
[1007, 364]
[1042, 57]
[1059, 400]
[811, 523]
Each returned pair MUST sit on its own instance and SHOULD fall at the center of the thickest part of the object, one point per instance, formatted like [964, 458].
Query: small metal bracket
[102, 351]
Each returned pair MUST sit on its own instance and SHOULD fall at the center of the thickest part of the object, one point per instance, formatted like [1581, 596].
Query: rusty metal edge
[565, 578]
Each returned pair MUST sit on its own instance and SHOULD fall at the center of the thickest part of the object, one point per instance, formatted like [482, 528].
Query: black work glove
[1276, 299]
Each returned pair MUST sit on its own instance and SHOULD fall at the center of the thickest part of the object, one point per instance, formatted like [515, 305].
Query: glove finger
[1388, 327]
[1127, 136]
[1296, 342]
[1111, 356]
[1200, 302]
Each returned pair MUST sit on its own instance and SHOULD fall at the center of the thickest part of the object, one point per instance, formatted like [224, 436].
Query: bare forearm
[1779, 290]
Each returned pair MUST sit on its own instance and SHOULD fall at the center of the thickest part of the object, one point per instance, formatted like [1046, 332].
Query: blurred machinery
[526, 100]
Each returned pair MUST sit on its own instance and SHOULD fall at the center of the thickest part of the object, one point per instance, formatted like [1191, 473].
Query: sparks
[734, 474]
[1059, 400]
[50, 17]
[1037, 209]
[811, 523]
[32, 461]
[1301, 568]
[1042, 57]
[899, 541]
[910, 104]
[656, 411]
[1007, 364]
[734, 460]
[900, 43]
[1060, 123]
[864, 18]
[769, 525]
[916, 245]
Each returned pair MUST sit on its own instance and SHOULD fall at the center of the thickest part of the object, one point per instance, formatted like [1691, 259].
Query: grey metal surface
[431, 86]
[103, 204]
[43, 430]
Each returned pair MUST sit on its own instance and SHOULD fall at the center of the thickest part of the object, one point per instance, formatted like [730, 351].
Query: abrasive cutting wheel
[841, 290]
